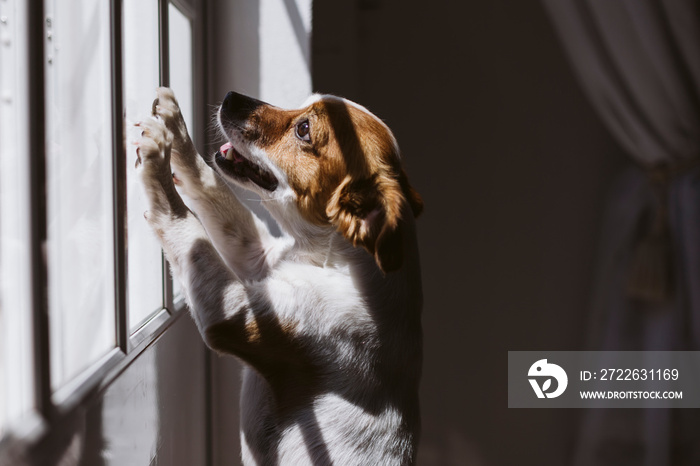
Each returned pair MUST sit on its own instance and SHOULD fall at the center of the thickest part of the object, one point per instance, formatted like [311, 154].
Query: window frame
[14, 325]
[51, 406]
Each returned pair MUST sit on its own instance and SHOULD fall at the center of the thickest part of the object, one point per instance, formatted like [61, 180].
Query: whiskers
[215, 132]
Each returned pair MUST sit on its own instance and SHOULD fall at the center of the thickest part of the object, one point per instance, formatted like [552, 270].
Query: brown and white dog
[327, 317]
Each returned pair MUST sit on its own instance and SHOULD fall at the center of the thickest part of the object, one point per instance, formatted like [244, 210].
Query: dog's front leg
[211, 289]
[241, 238]
[228, 319]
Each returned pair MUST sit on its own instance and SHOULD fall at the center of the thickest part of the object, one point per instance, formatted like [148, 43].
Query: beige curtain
[639, 63]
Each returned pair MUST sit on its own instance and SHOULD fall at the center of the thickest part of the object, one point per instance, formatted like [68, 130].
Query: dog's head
[336, 161]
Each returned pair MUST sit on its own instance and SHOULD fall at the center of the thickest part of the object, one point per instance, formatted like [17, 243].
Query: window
[107, 296]
[15, 315]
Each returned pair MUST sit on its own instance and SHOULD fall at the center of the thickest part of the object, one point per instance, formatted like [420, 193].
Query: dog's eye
[304, 131]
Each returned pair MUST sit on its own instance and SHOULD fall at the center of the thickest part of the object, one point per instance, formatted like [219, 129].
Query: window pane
[141, 77]
[15, 311]
[180, 43]
[79, 191]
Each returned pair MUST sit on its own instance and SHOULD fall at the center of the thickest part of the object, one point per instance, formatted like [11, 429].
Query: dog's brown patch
[349, 174]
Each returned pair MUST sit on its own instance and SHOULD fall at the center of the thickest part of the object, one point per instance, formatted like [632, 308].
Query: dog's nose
[238, 107]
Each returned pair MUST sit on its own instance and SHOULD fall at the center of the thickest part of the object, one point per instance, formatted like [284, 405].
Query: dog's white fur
[332, 343]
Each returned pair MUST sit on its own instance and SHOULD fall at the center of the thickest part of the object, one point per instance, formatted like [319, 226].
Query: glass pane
[141, 77]
[180, 38]
[79, 191]
[15, 312]
[180, 42]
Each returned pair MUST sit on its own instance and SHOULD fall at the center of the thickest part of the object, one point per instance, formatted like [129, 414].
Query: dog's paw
[153, 167]
[153, 148]
[186, 163]
[166, 108]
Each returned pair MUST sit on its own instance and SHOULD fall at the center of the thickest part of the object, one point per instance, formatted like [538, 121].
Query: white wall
[261, 48]
[285, 30]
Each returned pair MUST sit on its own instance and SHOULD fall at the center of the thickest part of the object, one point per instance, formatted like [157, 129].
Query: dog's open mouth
[234, 164]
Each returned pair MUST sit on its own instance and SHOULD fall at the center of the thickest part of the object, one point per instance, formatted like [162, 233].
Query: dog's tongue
[225, 148]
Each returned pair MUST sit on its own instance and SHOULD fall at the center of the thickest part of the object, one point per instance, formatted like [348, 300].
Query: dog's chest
[318, 298]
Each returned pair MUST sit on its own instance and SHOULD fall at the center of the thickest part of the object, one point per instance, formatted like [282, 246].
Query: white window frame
[52, 406]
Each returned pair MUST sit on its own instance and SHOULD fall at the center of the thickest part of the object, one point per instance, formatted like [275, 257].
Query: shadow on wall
[300, 33]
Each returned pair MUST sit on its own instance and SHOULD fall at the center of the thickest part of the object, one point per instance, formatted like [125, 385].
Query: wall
[514, 167]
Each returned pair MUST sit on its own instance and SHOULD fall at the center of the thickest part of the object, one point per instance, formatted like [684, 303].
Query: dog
[327, 317]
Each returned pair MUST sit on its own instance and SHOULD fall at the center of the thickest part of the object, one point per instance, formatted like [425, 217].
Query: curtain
[638, 61]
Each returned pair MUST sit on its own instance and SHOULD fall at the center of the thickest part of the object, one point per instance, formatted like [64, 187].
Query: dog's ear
[368, 213]
[414, 199]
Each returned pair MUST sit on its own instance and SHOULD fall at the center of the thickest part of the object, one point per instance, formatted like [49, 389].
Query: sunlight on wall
[285, 29]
